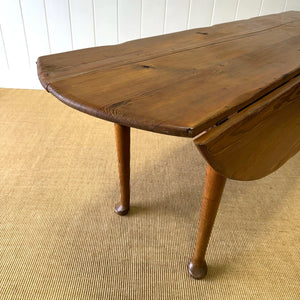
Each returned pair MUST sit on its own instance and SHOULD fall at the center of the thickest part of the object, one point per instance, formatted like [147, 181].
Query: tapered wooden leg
[123, 151]
[213, 189]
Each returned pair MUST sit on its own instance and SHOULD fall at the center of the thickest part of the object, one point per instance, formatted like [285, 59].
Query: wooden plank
[82, 22]
[177, 89]
[129, 20]
[12, 26]
[59, 26]
[35, 29]
[201, 13]
[153, 17]
[248, 9]
[177, 15]
[106, 22]
[272, 7]
[258, 140]
[225, 11]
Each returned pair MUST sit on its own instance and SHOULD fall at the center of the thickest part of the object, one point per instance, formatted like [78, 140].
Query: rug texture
[60, 239]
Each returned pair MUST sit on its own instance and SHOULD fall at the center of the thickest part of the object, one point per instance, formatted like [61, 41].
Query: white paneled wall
[225, 11]
[201, 13]
[176, 15]
[106, 22]
[82, 23]
[247, 9]
[31, 28]
[153, 17]
[57, 14]
[129, 20]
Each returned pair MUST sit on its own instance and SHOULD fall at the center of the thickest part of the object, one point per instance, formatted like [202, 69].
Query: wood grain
[182, 83]
[258, 140]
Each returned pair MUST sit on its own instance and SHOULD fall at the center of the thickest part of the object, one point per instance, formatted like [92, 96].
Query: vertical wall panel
[293, 5]
[13, 34]
[177, 15]
[248, 9]
[129, 20]
[59, 26]
[35, 29]
[272, 7]
[225, 11]
[106, 22]
[3, 59]
[82, 23]
[153, 17]
[201, 13]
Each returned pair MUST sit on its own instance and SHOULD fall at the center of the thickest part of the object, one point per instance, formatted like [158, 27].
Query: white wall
[31, 28]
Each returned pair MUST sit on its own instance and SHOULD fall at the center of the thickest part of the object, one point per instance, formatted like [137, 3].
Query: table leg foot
[123, 151]
[121, 209]
[198, 271]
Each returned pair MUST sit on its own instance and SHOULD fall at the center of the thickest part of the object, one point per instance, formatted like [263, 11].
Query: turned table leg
[213, 189]
[123, 151]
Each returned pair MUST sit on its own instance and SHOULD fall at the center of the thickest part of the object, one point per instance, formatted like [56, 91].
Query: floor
[60, 239]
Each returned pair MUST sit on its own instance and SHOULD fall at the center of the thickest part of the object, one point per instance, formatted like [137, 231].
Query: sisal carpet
[59, 237]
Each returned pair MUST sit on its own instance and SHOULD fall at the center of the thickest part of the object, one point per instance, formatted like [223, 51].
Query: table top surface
[181, 83]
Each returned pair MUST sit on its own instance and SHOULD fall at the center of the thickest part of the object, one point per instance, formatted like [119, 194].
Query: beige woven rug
[59, 237]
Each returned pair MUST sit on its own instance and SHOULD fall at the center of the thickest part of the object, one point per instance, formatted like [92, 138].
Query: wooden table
[234, 88]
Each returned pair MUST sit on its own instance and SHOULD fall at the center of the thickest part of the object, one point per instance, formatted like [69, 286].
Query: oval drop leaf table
[234, 88]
